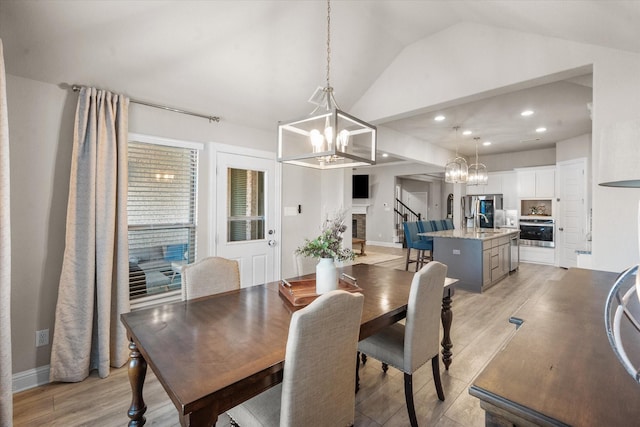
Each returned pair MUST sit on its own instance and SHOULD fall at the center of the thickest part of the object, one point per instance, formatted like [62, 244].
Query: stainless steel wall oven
[537, 232]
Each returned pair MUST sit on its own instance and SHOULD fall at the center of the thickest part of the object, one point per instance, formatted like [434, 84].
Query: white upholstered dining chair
[209, 276]
[304, 264]
[407, 347]
[319, 370]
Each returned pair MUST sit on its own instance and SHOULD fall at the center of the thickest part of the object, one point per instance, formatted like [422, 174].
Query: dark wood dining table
[213, 353]
[559, 369]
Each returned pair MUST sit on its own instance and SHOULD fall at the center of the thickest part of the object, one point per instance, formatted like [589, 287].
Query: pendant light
[456, 171]
[327, 138]
[478, 171]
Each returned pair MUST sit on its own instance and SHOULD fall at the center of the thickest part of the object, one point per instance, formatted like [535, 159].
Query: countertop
[481, 234]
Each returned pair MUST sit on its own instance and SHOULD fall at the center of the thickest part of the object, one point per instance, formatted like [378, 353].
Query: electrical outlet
[42, 337]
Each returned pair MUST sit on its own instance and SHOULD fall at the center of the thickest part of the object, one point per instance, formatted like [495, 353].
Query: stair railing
[403, 214]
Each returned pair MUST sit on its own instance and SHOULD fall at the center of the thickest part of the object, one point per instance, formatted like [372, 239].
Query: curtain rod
[76, 88]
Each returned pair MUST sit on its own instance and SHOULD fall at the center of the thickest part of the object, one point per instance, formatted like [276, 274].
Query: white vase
[326, 276]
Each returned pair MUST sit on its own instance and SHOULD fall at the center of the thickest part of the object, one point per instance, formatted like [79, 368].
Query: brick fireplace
[359, 226]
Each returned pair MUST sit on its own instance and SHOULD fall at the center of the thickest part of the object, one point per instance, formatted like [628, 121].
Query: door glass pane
[245, 202]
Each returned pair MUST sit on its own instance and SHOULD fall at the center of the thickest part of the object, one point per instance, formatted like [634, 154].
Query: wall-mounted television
[360, 186]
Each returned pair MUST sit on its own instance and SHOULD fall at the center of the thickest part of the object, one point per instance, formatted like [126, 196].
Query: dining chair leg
[406, 267]
[419, 257]
[363, 357]
[435, 366]
[357, 371]
[385, 367]
[408, 395]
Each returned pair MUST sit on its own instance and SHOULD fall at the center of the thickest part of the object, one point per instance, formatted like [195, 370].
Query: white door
[417, 202]
[246, 188]
[571, 221]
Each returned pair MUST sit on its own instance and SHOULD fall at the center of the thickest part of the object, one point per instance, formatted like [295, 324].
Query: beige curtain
[88, 333]
[6, 393]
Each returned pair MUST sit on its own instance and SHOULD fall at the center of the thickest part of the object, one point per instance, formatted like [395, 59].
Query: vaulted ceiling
[257, 62]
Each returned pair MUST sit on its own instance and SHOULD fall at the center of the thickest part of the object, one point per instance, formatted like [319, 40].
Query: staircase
[403, 214]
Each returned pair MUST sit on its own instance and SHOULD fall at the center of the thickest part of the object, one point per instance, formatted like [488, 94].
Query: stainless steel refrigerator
[484, 211]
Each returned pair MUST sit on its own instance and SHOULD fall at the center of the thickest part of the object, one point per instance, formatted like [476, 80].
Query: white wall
[469, 61]
[41, 118]
[415, 195]
[616, 98]
[574, 148]
[380, 213]
[522, 159]
[435, 205]
[40, 137]
[302, 188]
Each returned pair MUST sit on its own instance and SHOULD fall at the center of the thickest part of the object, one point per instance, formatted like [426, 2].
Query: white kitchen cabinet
[546, 183]
[477, 189]
[536, 182]
[537, 255]
[526, 183]
[509, 190]
[504, 183]
[494, 184]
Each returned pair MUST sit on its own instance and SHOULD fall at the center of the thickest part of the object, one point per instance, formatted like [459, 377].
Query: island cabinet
[478, 259]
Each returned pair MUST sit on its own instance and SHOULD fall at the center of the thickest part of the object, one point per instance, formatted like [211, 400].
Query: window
[161, 207]
[245, 219]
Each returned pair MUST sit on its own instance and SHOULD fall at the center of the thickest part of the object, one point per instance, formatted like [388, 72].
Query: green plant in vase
[327, 247]
[329, 243]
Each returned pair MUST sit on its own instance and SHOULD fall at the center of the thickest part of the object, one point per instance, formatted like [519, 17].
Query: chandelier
[456, 170]
[327, 138]
[478, 171]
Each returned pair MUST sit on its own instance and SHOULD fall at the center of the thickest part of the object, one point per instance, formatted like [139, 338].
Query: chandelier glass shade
[478, 174]
[456, 171]
[328, 138]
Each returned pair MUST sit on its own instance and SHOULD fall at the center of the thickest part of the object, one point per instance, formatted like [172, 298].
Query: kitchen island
[477, 258]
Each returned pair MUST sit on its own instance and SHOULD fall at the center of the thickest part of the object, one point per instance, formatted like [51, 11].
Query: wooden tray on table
[302, 292]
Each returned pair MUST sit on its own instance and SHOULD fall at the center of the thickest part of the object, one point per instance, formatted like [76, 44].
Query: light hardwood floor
[480, 329]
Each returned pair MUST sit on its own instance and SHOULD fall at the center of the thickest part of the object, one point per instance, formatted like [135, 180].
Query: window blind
[161, 207]
[245, 217]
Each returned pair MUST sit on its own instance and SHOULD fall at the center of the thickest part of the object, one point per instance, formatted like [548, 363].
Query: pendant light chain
[328, 42]
[333, 138]
[478, 171]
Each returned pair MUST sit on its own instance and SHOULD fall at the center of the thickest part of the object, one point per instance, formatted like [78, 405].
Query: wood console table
[212, 353]
[362, 243]
[559, 369]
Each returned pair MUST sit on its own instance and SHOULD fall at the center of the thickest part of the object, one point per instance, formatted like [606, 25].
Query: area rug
[375, 258]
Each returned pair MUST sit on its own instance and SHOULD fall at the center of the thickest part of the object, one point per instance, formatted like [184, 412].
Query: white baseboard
[29, 379]
[385, 244]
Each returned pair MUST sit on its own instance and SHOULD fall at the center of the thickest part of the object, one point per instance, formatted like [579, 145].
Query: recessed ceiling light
[526, 113]
[439, 118]
[467, 132]
[541, 129]
[486, 143]
[385, 155]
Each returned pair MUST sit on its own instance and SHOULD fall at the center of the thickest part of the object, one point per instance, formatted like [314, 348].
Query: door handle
[271, 243]
[560, 229]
